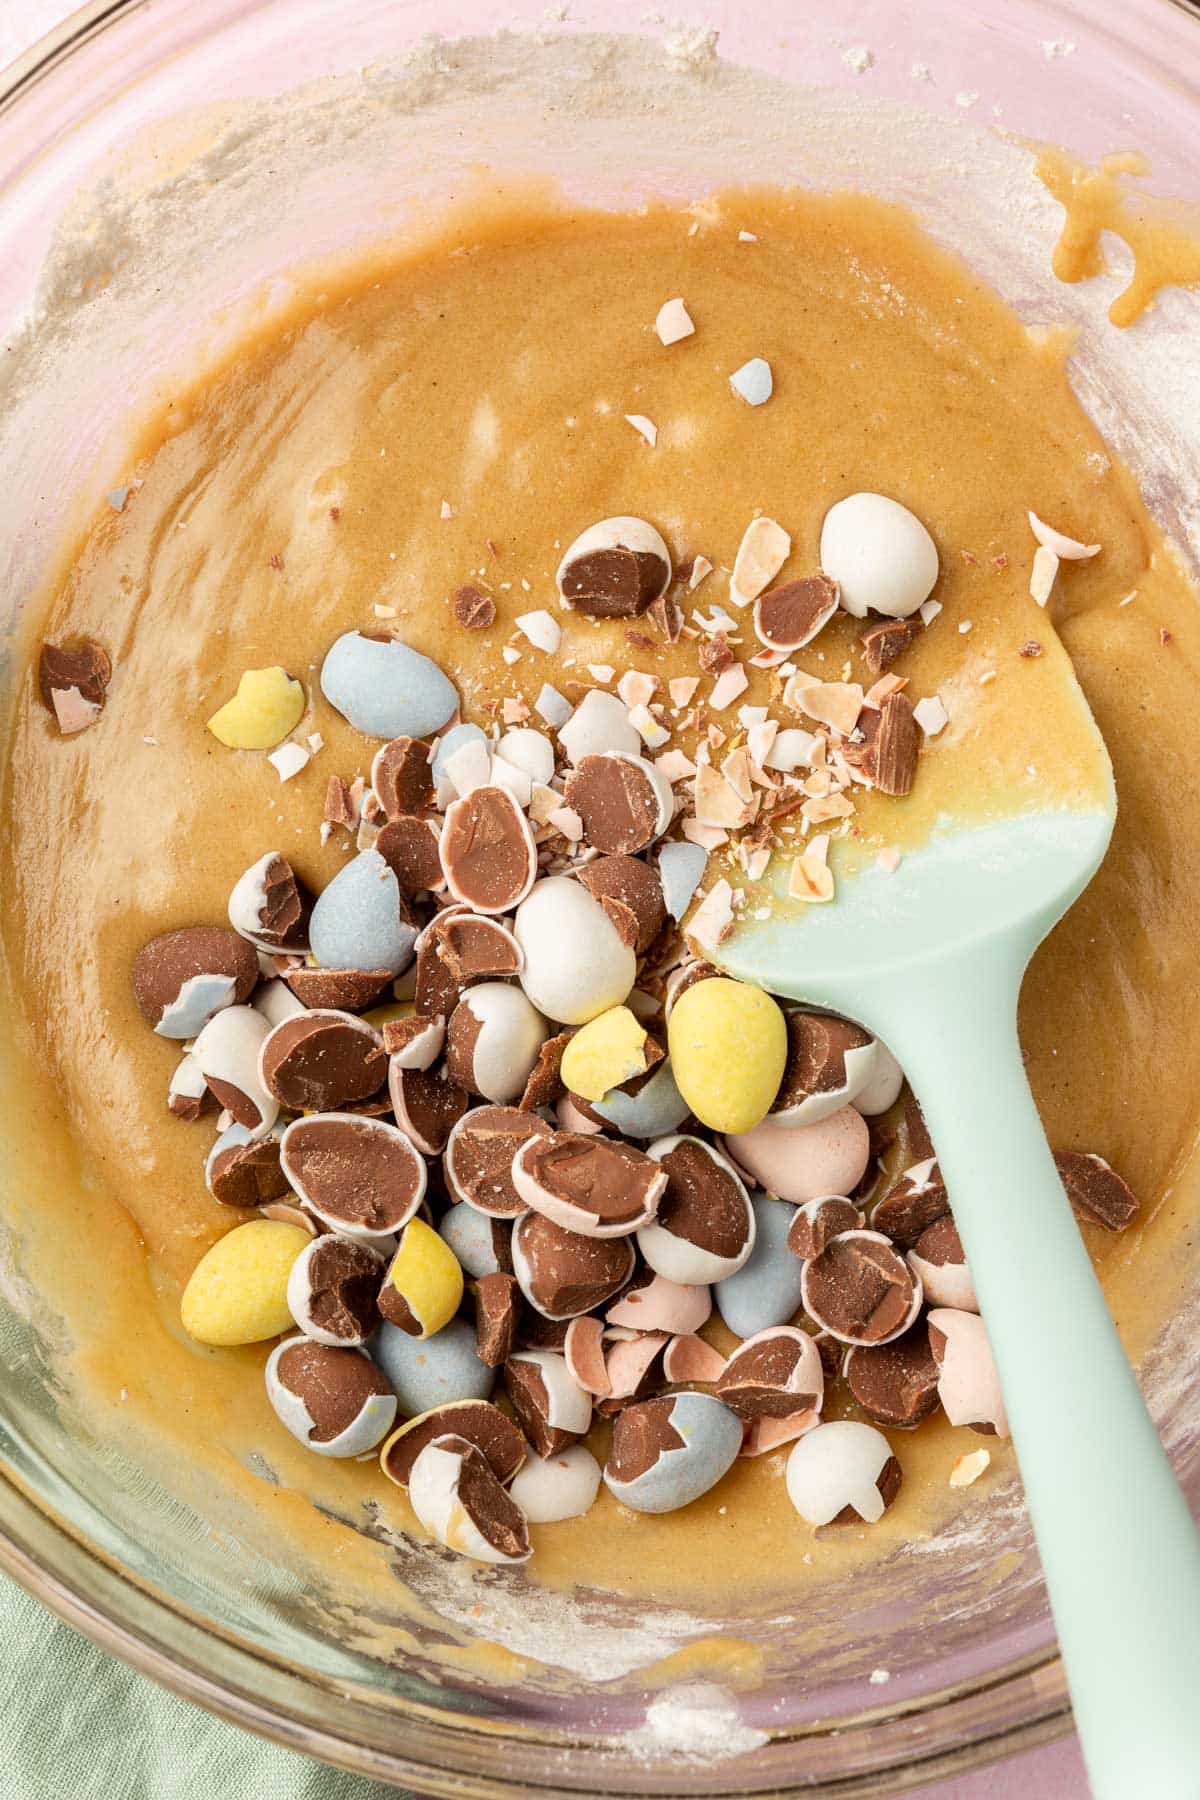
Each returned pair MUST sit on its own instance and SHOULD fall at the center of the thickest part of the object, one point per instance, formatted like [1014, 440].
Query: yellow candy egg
[268, 704]
[237, 1293]
[728, 1045]
[604, 1053]
[379, 1016]
[426, 1279]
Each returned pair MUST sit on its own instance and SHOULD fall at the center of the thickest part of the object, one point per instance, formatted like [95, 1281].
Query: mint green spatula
[931, 958]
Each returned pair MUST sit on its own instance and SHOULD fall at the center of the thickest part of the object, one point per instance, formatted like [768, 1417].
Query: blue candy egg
[469, 1234]
[667, 1452]
[753, 381]
[766, 1289]
[385, 689]
[197, 1000]
[429, 1372]
[357, 922]
[656, 1110]
[455, 738]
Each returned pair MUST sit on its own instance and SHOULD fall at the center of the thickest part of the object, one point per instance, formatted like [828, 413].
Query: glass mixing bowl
[166, 166]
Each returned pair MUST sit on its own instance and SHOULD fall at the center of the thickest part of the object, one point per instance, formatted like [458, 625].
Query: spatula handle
[1118, 1546]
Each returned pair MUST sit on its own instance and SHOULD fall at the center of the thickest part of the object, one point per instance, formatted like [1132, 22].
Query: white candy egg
[576, 963]
[623, 532]
[883, 1088]
[600, 723]
[839, 1465]
[493, 1039]
[880, 555]
[528, 750]
[556, 1487]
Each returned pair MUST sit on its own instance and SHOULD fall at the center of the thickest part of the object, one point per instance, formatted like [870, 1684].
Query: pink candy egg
[806, 1162]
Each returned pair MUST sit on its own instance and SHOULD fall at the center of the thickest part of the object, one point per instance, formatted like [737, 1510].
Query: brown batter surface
[286, 496]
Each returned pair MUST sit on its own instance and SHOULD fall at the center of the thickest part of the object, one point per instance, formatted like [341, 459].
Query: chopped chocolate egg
[690, 1359]
[583, 1348]
[384, 688]
[681, 870]
[591, 1185]
[481, 1423]
[331, 1290]
[766, 1290]
[773, 1374]
[577, 964]
[414, 1042]
[623, 801]
[358, 1176]
[938, 1262]
[320, 1060]
[183, 978]
[479, 1158]
[529, 751]
[334, 1400]
[411, 848]
[1095, 1190]
[805, 1162]
[241, 1170]
[423, 1287]
[817, 1221]
[459, 1501]
[444, 752]
[268, 705]
[551, 1488]
[562, 1273]
[879, 554]
[492, 1041]
[599, 726]
[269, 907]
[705, 1228]
[481, 1244]
[608, 1051]
[361, 920]
[426, 1373]
[402, 777]
[828, 1061]
[914, 1203]
[632, 1363]
[276, 1002]
[487, 850]
[843, 1473]
[789, 617]
[630, 883]
[615, 569]
[753, 382]
[653, 1303]
[497, 1315]
[427, 1105]
[860, 1289]
[896, 1384]
[227, 1053]
[667, 1452]
[188, 1095]
[339, 990]
[551, 1408]
[882, 1087]
[73, 680]
[968, 1386]
[649, 1107]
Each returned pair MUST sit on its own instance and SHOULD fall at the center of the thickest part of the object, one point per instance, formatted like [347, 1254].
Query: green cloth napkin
[79, 1725]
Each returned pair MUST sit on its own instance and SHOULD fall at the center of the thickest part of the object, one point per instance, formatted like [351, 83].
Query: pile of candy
[499, 1118]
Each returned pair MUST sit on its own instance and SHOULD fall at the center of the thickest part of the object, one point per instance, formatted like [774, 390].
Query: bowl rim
[36, 1545]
